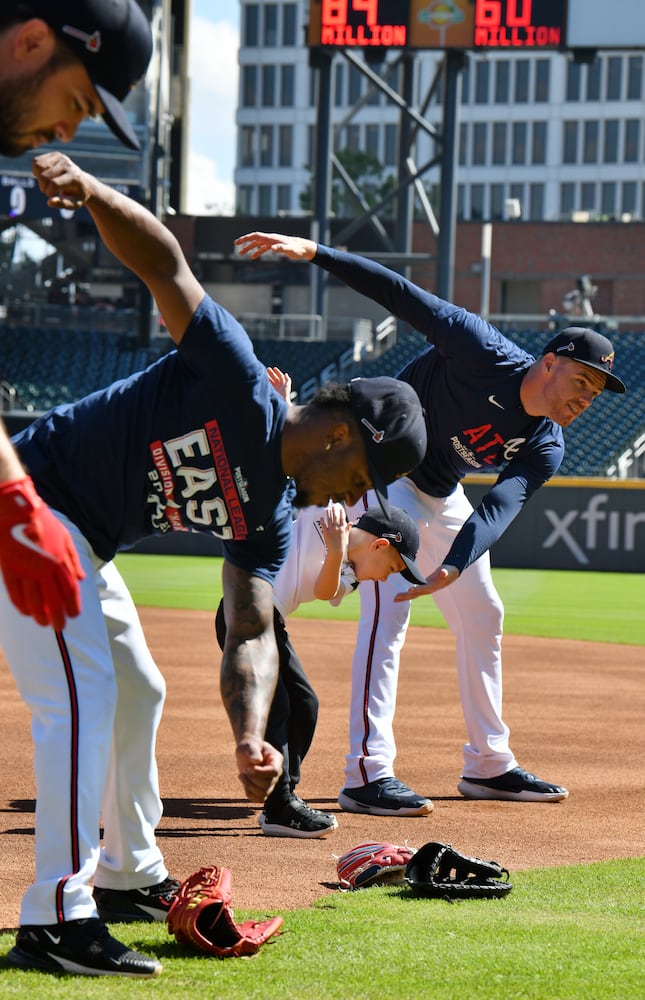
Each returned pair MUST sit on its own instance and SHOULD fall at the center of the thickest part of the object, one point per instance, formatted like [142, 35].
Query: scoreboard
[476, 24]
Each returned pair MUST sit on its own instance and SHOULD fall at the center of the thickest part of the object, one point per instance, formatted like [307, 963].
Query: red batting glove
[38, 560]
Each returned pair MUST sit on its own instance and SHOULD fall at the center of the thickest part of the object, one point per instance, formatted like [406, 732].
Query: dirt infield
[575, 712]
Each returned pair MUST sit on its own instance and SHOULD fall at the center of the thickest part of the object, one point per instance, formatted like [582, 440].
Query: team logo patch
[608, 359]
[92, 42]
[377, 436]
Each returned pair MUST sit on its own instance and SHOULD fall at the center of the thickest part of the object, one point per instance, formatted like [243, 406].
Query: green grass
[561, 933]
[599, 607]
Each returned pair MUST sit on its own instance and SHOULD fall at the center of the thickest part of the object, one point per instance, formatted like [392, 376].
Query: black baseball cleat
[123, 906]
[517, 785]
[296, 819]
[78, 947]
[385, 797]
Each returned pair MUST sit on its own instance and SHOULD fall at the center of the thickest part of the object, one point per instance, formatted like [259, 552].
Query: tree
[370, 177]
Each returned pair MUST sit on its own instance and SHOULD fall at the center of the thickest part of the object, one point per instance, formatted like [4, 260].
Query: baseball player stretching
[487, 404]
[198, 440]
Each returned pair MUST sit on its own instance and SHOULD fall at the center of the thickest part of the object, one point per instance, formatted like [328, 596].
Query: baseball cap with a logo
[392, 423]
[112, 38]
[588, 348]
[400, 531]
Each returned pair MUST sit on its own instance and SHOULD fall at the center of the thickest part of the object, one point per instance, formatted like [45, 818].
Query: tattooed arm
[248, 677]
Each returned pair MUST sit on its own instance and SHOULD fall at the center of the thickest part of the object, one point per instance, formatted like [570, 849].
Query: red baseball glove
[373, 864]
[201, 916]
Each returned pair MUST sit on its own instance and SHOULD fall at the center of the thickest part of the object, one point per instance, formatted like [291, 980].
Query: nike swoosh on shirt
[491, 399]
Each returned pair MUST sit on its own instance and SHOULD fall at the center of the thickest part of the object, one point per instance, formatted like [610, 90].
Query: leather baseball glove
[373, 864]
[201, 916]
[441, 871]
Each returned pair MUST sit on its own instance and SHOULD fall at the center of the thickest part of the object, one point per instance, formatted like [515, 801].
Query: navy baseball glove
[439, 870]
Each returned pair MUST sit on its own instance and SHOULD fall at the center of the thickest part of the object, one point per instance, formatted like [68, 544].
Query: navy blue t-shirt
[190, 443]
[469, 384]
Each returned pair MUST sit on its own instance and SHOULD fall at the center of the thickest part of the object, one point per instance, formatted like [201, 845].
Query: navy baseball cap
[400, 531]
[112, 38]
[392, 423]
[588, 348]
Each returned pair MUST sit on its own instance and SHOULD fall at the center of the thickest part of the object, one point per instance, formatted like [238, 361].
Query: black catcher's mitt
[439, 870]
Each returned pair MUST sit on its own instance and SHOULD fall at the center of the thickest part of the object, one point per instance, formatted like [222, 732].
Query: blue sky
[213, 71]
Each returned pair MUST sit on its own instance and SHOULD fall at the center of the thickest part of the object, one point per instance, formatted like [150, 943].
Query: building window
[390, 152]
[502, 81]
[247, 146]
[283, 192]
[287, 86]
[570, 142]
[482, 74]
[497, 201]
[353, 137]
[519, 143]
[339, 77]
[355, 85]
[480, 132]
[463, 144]
[517, 191]
[465, 83]
[285, 145]
[536, 202]
[245, 199]
[632, 140]
[538, 142]
[249, 86]
[266, 145]
[500, 132]
[608, 198]
[628, 197]
[477, 201]
[264, 199]
[311, 145]
[371, 139]
[634, 78]
[614, 77]
[574, 76]
[610, 147]
[588, 196]
[251, 26]
[268, 86]
[590, 142]
[542, 80]
[270, 24]
[567, 199]
[461, 201]
[593, 80]
[289, 13]
[522, 68]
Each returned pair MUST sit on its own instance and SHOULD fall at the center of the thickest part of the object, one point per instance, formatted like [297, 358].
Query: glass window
[608, 198]
[355, 85]
[287, 86]
[610, 147]
[266, 145]
[288, 26]
[461, 201]
[477, 201]
[480, 132]
[482, 75]
[517, 192]
[574, 74]
[628, 197]
[634, 78]
[538, 142]
[247, 146]
[353, 133]
[567, 199]
[497, 201]
[251, 25]
[500, 132]
[632, 140]
[284, 197]
[588, 196]
[614, 77]
[339, 78]
[249, 86]
[570, 142]
[465, 83]
[519, 143]
[245, 199]
[590, 142]
[390, 152]
[522, 67]
[542, 79]
[264, 199]
[271, 24]
[311, 145]
[463, 144]
[536, 202]
[371, 139]
[502, 81]
[593, 80]
[268, 86]
[285, 145]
